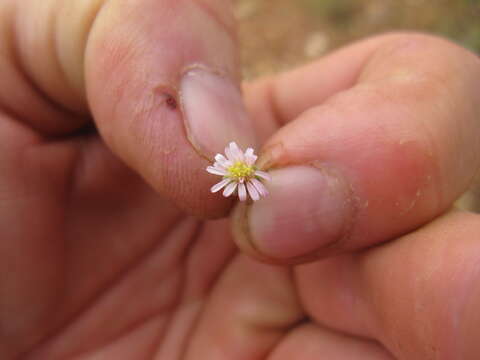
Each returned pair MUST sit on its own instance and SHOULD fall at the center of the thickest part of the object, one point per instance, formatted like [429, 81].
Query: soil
[279, 34]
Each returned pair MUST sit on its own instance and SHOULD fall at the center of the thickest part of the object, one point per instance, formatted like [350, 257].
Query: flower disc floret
[240, 170]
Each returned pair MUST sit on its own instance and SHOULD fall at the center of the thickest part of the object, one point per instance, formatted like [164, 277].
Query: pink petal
[242, 192]
[263, 175]
[253, 191]
[262, 190]
[223, 166]
[219, 186]
[249, 151]
[220, 159]
[229, 189]
[236, 152]
[250, 157]
[250, 160]
[229, 154]
[217, 171]
[219, 166]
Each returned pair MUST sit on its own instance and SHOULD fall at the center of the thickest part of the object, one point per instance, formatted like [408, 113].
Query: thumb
[163, 85]
[388, 154]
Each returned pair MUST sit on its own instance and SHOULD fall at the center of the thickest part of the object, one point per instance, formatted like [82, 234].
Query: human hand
[96, 265]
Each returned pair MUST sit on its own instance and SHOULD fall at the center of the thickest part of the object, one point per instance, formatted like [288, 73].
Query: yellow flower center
[240, 170]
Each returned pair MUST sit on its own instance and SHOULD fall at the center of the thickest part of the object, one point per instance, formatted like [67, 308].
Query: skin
[107, 253]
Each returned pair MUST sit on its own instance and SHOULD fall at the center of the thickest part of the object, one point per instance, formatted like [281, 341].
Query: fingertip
[307, 213]
[165, 97]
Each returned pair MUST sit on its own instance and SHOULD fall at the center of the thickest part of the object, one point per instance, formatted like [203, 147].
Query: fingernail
[214, 112]
[307, 210]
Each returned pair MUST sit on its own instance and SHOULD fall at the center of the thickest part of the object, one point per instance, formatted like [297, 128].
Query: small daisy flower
[239, 174]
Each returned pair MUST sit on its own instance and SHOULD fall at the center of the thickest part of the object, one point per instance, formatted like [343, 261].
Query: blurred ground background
[276, 35]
